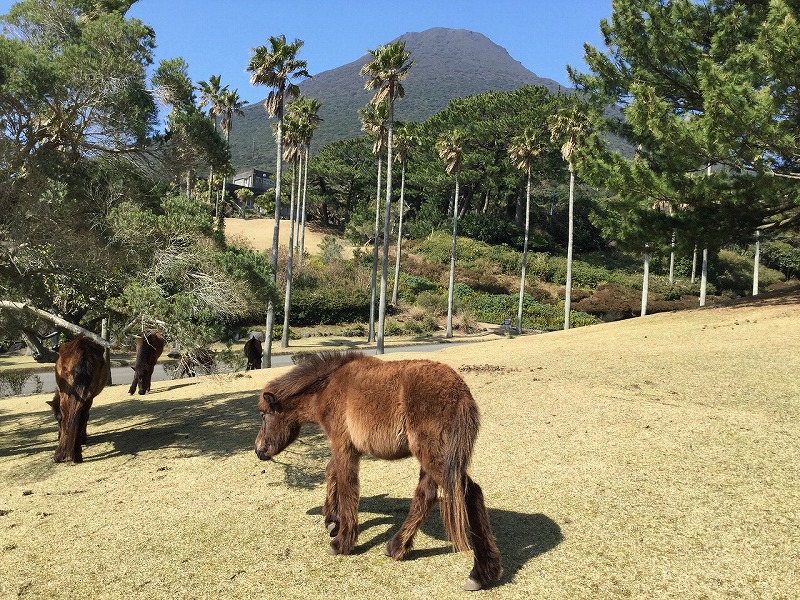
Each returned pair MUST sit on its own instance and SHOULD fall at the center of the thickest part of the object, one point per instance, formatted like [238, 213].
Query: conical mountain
[449, 63]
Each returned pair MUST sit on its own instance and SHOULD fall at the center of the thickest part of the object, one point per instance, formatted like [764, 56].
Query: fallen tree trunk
[55, 320]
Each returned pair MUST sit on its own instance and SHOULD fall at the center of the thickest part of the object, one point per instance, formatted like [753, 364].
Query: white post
[672, 260]
[646, 279]
[704, 277]
[755, 263]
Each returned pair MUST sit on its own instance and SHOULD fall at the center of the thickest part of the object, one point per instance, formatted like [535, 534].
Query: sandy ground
[257, 234]
[648, 458]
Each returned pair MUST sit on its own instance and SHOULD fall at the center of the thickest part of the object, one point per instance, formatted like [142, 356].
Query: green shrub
[410, 286]
[434, 302]
[392, 327]
[782, 255]
[355, 330]
[424, 325]
[735, 273]
[329, 305]
[331, 250]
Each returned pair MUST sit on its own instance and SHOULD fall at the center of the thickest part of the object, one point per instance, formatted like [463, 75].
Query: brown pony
[253, 352]
[81, 373]
[148, 348]
[389, 410]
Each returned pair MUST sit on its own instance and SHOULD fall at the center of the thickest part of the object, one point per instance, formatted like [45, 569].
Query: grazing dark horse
[81, 373]
[253, 352]
[390, 410]
[148, 348]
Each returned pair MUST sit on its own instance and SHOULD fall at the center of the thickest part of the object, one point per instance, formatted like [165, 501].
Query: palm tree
[210, 95]
[373, 121]
[276, 67]
[389, 66]
[523, 151]
[230, 104]
[307, 110]
[451, 149]
[569, 125]
[405, 142]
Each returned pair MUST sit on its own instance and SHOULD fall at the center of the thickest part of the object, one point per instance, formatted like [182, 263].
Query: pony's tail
[452, 504]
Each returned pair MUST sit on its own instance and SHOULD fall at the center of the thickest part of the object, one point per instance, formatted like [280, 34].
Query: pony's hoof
[333, 528]
[471, 585]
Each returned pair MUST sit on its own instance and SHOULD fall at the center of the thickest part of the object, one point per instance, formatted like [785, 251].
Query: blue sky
[216, 37]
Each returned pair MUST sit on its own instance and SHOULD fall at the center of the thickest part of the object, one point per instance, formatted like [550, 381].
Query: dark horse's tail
[452, 503]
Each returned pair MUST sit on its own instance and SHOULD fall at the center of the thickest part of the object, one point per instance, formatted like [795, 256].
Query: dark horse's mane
[311, 372]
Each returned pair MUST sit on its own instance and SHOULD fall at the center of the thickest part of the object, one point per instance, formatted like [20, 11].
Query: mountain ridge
[448, 63]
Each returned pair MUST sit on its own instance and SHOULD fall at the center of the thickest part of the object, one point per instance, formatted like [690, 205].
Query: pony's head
[279, 426]
[55, 405]
[143, 375]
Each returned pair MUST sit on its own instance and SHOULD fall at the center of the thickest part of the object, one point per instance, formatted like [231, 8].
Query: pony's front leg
[330, 509]
[347, 494]
[83, 438]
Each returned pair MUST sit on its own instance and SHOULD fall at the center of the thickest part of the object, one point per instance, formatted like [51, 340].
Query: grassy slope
[648, 458]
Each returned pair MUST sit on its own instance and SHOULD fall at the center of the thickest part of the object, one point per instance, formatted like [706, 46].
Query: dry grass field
[649, 458]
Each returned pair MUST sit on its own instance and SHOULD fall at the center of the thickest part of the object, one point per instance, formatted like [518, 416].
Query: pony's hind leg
[424, 498]
[330, 509]
[487, 567]
[347, 494]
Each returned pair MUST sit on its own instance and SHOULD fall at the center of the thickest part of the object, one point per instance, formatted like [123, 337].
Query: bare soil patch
[649, 458]
[257, 234]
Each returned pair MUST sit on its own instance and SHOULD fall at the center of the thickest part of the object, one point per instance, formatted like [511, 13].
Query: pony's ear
[270, 402]
[132, 367]
[52, 403]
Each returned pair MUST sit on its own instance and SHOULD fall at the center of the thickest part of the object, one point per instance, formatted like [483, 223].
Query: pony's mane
[312, 372]
[145, 346]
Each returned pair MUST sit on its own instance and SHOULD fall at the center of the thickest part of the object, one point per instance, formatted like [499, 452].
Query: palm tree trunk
[287, 301]
[303, 223]
[387, 217]
[451, 285]
[266, 359]
[372, 286]
[524, 251]
[296, 199]
[210, 185]
[568, 287]
[399, 235]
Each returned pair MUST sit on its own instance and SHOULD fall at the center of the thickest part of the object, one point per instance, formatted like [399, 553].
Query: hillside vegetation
[647, 458]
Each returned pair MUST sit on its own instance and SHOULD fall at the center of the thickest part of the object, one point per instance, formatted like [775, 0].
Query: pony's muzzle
[262, 454]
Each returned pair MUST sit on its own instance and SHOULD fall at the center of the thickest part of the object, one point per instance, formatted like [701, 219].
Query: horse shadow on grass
[521, 537]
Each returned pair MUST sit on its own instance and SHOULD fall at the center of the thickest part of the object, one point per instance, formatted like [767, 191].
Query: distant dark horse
[81, 373]
[253, 352]
[391, 410]
[148, 348]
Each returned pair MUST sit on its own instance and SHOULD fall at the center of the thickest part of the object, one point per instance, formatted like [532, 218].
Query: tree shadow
[521, 537]
[215, 424]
